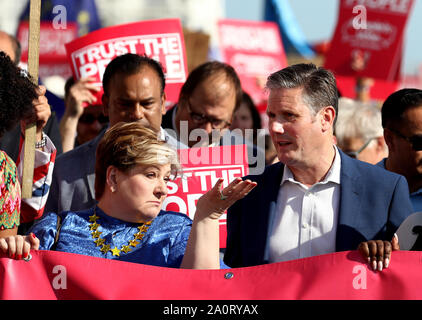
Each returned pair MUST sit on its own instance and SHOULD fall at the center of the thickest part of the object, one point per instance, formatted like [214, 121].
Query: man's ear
[381, 145]
[105, 101]
[328, 115]
[163, 104]
[388, 137]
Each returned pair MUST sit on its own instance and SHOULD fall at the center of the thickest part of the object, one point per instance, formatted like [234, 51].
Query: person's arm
[8, 232]
[202, 249]
[45, 154]
[79, 94]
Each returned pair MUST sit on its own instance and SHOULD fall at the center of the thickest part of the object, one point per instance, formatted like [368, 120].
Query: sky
[318, 20]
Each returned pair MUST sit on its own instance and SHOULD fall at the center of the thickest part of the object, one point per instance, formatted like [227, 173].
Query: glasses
[200, 119]
[89, 118]
[354, 154]
[415, 141]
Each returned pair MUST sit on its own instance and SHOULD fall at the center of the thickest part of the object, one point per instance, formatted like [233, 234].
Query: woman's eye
[151, 175]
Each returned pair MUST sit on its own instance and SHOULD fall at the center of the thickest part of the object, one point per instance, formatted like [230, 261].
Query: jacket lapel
[351, 187]
[263, 208]
[90, 165]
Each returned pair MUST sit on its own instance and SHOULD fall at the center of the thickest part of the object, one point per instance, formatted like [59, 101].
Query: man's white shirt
[304, 222]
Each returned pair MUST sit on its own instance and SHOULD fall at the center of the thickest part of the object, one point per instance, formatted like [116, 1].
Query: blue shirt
[163, 245]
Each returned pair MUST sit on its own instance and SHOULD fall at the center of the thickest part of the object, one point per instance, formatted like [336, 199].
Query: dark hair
[16, 94]
[319, 85]
[397, 103]
[206, 70]
[129, 64]
[256, 118]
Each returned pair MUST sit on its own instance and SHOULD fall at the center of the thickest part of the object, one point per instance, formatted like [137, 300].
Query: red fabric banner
[161, 40]
[338, 276]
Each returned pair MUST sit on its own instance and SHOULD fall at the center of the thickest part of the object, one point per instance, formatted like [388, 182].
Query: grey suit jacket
[72, 187]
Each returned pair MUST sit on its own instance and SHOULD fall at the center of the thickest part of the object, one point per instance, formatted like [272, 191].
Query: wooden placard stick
[30, 130]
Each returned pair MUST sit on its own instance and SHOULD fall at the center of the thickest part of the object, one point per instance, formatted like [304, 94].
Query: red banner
[202, 167]
[370, 33]
[337, 276]
[161, 40]
[255, 50]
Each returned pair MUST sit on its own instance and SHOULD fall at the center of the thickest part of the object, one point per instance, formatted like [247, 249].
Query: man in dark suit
[205, 109]
[317, 200]
[133, 91]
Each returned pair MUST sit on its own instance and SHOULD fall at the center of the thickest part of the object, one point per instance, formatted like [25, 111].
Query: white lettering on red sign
[167, 49]
[250, 39]
[394, 6]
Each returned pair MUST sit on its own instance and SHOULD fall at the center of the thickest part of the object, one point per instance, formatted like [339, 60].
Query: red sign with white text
[52, 51]
[368, 39]
[161, 40]
[202, 167]
[254, 49]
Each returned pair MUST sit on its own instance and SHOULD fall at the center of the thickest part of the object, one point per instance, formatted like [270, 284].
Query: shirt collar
[333, 175]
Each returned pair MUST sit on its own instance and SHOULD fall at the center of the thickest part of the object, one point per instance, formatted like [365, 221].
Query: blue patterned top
[163, 245]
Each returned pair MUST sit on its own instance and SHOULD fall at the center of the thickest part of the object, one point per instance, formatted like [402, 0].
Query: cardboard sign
[254, 49]
[53, 275]
[202, 167]
[161, 40]
[368, 39]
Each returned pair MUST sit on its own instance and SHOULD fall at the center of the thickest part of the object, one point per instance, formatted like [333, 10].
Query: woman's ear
[111, 178]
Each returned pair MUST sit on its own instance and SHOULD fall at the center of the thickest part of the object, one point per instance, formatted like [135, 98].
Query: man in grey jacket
[133, 91]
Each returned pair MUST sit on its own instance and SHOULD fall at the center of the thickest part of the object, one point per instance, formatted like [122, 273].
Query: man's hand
[80, 94]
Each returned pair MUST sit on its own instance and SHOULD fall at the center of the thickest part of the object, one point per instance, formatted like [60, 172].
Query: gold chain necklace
[106, 247]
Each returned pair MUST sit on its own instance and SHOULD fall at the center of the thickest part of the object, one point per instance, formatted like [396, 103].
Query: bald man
[207, 102]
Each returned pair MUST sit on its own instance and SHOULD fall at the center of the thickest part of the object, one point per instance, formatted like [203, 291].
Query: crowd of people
[332, 174]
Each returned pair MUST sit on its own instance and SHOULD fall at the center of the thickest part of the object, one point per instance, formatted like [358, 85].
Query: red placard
[371, 34]
[161, 40]
[52, 57]
[254, 49]
[202, 167]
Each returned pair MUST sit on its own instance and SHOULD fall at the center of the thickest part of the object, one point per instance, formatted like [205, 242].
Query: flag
[294, 41]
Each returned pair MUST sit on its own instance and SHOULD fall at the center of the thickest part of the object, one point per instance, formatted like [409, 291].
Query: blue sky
[318, 20]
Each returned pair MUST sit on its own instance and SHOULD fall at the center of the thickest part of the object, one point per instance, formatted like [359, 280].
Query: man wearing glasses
[204, 112]
[402, 123]
[359, 132]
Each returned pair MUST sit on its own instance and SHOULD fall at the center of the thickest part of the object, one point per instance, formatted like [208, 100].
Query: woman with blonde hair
[131, 175]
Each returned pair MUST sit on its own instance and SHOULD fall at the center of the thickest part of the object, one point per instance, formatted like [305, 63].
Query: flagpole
[30, 130]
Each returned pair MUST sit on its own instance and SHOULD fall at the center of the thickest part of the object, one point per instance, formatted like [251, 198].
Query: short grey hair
[357, 120]
[319, 85]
